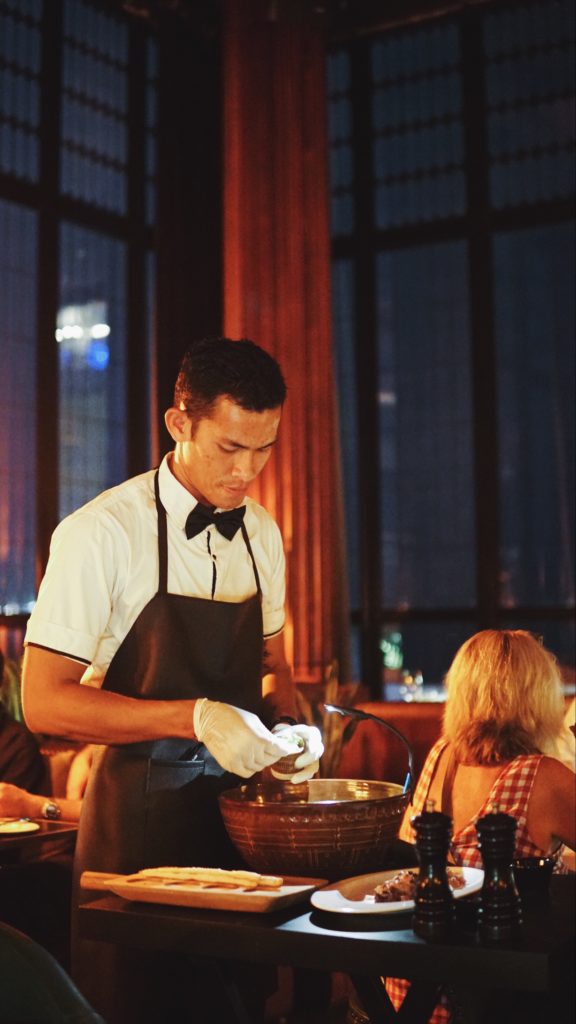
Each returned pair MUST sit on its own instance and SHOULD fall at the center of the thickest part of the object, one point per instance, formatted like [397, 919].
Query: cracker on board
[220, 878]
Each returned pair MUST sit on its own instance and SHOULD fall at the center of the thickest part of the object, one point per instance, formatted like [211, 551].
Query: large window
[534, 300]
[92, 365]
[18, 458]
[77, 212]
[452, 181]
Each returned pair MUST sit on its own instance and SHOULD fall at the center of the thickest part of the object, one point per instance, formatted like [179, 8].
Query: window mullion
[48, 277]
[136, 327]
[481, 289]
[367, 367]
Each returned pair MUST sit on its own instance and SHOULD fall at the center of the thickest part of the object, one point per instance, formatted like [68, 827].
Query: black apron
[155, 803]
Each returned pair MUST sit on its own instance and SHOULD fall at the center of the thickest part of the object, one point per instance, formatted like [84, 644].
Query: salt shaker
[434, 903]
[500, 905]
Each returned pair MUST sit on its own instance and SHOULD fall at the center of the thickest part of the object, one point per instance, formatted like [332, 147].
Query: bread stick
[213, 877]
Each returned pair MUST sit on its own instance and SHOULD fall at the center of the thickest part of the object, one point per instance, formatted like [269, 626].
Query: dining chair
[35, 987]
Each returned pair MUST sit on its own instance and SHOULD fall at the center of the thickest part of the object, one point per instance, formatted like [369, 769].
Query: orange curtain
[277, 292]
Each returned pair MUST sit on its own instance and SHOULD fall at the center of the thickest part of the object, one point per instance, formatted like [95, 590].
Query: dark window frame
[185, 243]
[477, 226]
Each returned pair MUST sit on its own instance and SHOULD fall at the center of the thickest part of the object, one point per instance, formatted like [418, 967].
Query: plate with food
[209, 888]
[17, 826]
[388, 892]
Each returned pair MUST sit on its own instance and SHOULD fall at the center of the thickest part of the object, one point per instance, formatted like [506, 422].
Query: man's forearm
[55, 702]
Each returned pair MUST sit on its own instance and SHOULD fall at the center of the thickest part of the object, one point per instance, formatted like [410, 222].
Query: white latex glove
[308, 761]
[238, 740]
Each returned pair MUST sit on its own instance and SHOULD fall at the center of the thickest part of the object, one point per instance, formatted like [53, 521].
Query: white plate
[356, 895]
[12, 825]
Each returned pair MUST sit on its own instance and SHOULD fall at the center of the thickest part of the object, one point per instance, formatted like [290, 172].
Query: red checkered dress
[511, 793]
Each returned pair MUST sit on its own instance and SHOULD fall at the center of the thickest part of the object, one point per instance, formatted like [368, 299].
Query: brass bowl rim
[240, 795]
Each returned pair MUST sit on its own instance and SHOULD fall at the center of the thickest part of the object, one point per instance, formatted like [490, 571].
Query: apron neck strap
[163, 544]
[162, 540]
[251, 553]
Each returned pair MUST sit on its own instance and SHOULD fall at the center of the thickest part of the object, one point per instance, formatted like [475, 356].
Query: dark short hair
[215, 367]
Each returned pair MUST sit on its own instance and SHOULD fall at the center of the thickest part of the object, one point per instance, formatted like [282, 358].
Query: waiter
[165, 597]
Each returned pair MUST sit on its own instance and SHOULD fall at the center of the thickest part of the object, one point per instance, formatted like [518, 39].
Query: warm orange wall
[277, 292]
[375, 753]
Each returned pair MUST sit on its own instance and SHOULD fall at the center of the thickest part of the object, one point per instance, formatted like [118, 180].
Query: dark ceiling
[342, 18]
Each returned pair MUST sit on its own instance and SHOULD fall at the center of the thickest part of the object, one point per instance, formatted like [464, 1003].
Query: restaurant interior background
[381, 194]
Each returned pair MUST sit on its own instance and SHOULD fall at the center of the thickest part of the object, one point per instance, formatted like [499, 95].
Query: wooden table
[539, 962]
[35, 884]
[12, 844]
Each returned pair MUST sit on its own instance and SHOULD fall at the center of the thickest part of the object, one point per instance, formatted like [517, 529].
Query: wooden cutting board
[293, 890]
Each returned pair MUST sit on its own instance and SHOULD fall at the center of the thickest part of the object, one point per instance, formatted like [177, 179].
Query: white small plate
[356, 895]
[13, 825]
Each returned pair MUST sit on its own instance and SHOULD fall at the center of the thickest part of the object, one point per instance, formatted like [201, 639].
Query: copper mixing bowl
[325, 828]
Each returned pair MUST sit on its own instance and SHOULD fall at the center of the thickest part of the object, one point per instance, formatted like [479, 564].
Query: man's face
[219, 460]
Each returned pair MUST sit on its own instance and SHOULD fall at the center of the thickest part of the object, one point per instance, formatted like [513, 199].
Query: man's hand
[308, 763]
[238, 740]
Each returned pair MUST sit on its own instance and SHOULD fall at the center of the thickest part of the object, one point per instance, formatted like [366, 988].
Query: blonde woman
[504, 709]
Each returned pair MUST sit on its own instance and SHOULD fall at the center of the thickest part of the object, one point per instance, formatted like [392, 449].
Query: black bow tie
[227, 523]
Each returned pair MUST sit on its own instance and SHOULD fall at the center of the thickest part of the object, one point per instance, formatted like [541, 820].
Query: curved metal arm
[365, 715]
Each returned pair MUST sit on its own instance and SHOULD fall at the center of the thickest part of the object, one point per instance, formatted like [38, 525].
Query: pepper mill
[434, 902]
[500, 905]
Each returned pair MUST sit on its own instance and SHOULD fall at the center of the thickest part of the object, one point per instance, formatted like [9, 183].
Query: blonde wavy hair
[504, 698]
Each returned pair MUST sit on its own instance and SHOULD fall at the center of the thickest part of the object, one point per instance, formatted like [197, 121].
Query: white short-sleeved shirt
[103, 568]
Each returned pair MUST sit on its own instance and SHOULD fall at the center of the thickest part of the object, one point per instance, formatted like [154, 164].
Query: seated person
[504, 708]
[21, 762]
[17, 802]
[23, 777]
[35, 886]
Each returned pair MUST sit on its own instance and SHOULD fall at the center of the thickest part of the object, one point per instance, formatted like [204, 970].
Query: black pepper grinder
[434, 903]
[500, 905]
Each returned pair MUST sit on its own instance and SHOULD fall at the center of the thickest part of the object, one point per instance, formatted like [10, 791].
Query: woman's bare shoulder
[553, 777]
[551, 768]
[551, 817]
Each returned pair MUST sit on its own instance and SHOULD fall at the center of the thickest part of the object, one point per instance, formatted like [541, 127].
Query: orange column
[277, 292]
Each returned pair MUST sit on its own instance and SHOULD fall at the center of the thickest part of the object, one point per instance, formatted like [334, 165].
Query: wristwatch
[51, 811]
